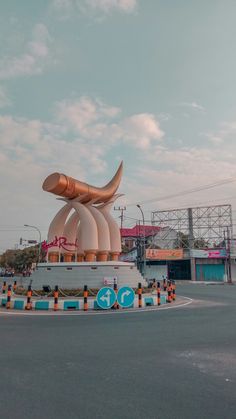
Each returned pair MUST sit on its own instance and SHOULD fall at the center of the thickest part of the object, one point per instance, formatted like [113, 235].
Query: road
[170, 364]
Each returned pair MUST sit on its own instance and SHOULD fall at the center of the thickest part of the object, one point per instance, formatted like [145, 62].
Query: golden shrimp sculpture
[90, 233]
[68, 187]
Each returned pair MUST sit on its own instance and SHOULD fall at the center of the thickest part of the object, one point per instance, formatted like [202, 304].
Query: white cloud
[214, 139]
[44, 145]
[64, 9]
[164, 116]
[77, 141]
[85, 135]
[92, 119]
[108, 6]
[141, 129]
[228, 128]
[39, 46]
[193, 105]
[4, 99]
[82, 132]
[32, 60]
[82, 113]
[225, 133]
[165, 171]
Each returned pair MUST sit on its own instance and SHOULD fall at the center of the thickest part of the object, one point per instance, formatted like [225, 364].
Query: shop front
[210, 264]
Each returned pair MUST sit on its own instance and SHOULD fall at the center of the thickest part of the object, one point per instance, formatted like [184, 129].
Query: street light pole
[144, 244]
[40, 239]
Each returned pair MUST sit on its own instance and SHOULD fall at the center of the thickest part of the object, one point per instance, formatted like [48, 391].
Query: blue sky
[87, 83]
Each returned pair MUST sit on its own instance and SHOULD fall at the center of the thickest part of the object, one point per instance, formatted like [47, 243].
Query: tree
[19, 259]
[124, 248]
[200, 243]
[181, 241]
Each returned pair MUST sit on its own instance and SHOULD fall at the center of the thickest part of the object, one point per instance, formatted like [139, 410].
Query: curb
[185, 301]
[75, 304]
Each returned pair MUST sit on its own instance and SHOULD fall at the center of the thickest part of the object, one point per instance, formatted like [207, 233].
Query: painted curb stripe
[98, 312]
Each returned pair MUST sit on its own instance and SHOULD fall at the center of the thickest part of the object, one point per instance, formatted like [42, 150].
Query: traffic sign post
[106, 298]
[125, 297]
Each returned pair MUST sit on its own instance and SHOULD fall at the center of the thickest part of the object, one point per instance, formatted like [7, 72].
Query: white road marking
[96, 313]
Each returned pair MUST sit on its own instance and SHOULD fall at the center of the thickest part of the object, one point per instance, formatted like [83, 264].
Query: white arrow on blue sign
[125, 297]
[106, 297]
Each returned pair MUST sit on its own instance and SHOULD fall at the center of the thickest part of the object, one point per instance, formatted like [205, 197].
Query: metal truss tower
[198, 227]
[199, 224]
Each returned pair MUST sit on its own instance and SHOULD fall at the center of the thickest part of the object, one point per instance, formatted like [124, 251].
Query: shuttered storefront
[210, 270]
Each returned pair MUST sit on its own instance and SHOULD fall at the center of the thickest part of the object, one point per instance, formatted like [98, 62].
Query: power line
[187, 191]
[189, 205]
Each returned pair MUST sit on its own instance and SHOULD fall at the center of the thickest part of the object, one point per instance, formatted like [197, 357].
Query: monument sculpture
[84, 243]
[90, 229]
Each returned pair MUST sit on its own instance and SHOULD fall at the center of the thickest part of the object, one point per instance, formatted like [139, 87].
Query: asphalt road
[178, 363]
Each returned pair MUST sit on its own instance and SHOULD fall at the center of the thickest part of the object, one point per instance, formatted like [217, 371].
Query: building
[130, 236]
[165, 258]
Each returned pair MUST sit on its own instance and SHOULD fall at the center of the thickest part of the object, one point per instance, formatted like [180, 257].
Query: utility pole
[226, 259]
[139, 249]
[191, 244]
[40, 240]
[122, 210]
[228, 247]
[144, 241]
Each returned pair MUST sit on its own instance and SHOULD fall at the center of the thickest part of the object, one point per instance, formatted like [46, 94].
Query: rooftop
[139, 230]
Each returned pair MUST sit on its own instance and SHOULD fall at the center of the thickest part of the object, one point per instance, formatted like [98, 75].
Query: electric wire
[185, 192]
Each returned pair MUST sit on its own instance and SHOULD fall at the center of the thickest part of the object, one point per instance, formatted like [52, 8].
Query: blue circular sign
[106, 297]
[125, 297]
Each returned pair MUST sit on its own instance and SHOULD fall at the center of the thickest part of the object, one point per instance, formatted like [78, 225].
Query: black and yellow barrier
[85, 298]
[164, 284]
[55, 307]
[173, 290]
[115, 287]
[140, 295]
[169, 298]
[29, 296]
[8, 305]
[158, 294]
[14, 286]
[4, 287]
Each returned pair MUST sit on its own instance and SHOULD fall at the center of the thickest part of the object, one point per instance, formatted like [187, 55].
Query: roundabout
[108, 299]
[104, 363]
[180, 302]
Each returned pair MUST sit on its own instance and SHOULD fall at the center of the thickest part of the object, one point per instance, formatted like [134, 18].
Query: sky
[85, 84]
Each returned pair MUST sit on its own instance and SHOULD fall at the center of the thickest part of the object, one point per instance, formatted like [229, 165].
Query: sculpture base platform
[74, 275]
